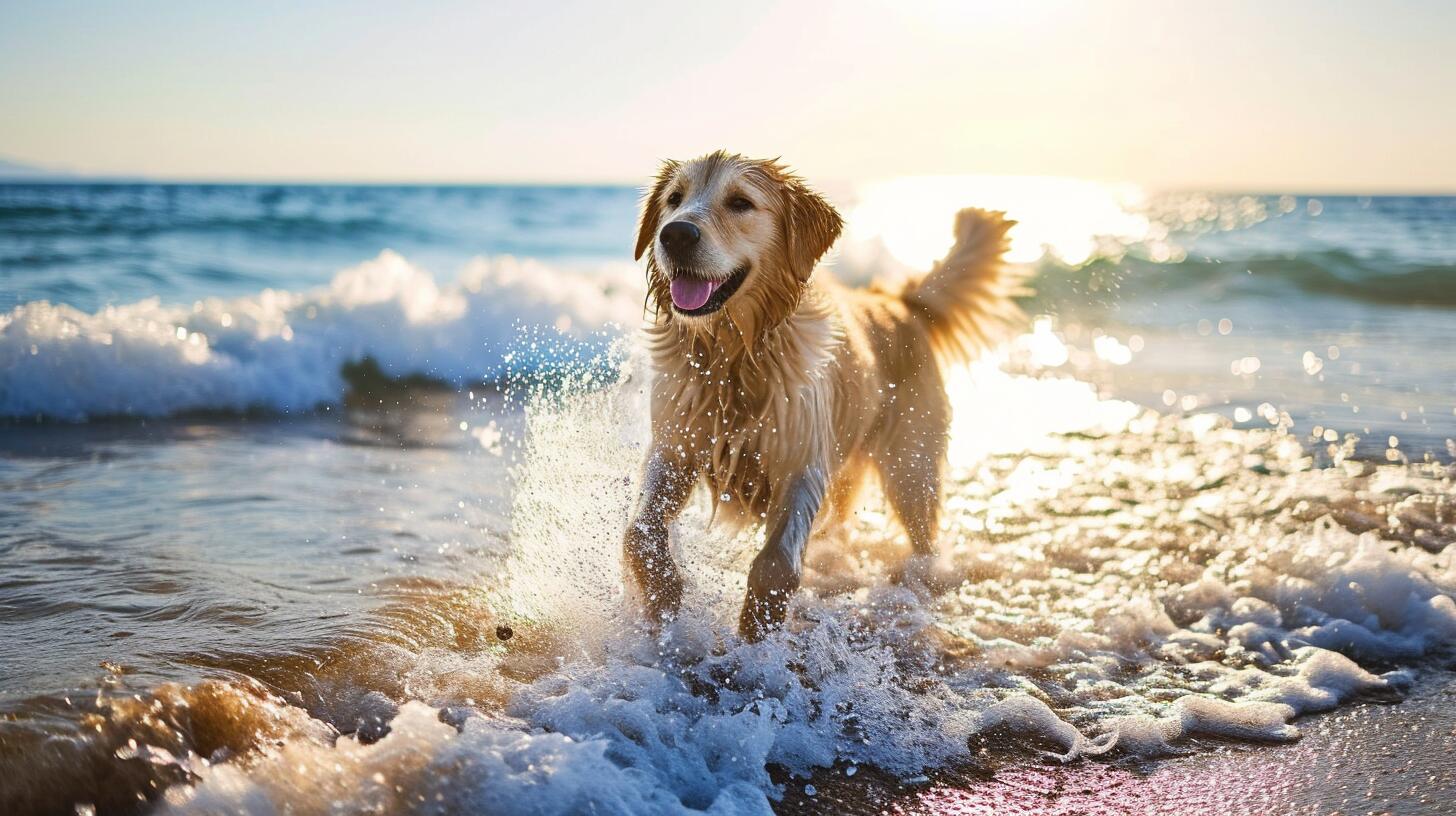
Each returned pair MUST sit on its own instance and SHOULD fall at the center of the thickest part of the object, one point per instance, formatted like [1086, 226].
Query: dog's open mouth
[696, 296]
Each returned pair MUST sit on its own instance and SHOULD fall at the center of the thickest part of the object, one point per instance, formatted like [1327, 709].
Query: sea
[313, 498]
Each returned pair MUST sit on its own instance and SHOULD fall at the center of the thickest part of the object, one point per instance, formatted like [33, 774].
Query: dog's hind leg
[777, 570]
[666, 487]
[910, 469]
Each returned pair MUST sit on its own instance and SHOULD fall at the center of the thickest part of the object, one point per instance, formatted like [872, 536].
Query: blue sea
[313, 494]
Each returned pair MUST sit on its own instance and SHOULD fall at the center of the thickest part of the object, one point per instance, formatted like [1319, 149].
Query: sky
[1259, 96]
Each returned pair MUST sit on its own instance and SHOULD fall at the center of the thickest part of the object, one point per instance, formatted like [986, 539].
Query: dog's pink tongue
[690, 293]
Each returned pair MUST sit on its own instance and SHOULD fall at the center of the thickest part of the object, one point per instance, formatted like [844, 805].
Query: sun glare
[910, 216]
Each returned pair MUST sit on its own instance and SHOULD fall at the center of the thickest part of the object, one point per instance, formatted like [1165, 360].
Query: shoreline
[1368, 757]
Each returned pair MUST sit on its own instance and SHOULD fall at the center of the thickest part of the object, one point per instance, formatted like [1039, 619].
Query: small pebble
[810, 790]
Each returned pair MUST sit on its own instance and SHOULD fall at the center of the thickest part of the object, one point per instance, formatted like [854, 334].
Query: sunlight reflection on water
[1070, 218]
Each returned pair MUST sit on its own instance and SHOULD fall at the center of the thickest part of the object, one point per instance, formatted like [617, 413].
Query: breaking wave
[287, 351]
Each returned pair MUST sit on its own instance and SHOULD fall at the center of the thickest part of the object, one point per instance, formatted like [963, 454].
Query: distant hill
[18, 171]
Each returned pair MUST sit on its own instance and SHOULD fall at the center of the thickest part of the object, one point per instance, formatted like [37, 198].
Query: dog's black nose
[679, 237]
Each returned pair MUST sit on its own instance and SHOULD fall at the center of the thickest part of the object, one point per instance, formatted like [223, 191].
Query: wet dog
[780, 389]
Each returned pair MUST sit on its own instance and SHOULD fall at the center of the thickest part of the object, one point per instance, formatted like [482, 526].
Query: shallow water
[408, 600]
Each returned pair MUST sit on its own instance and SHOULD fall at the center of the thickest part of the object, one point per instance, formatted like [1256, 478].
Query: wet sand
[1368, 758]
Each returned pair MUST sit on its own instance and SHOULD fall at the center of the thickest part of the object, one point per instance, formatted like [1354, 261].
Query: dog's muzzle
[680, 239]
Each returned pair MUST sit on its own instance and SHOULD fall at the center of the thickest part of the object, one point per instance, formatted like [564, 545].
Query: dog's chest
[744, 419]
[741, 431]
[726, 441]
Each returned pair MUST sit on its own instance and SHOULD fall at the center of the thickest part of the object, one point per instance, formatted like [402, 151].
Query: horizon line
[62, 178]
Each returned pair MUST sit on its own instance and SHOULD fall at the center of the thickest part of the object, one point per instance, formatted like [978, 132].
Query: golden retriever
[780, 389]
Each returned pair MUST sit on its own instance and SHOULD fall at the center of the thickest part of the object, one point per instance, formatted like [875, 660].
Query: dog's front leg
[778, 568]
[666, 486]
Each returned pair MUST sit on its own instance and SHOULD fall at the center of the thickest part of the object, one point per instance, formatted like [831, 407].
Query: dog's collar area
[719, 296]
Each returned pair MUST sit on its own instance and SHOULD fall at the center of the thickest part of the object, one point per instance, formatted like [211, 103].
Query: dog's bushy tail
[968, 297]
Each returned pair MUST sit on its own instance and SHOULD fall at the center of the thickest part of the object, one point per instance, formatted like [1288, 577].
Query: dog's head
[725, 234]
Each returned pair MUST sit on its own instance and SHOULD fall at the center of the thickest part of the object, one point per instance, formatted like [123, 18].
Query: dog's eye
[674, 198]
[739, 204]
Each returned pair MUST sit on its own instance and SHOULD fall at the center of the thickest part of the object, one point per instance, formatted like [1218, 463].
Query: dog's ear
[811, 226]
[652, 208]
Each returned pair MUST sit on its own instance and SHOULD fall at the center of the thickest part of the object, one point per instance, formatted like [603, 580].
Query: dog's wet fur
[785, 390]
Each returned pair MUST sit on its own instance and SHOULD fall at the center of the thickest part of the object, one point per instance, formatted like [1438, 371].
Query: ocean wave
[87, 214]
[138, 223]
[286, 351]
[1330, 273]
[197, 217]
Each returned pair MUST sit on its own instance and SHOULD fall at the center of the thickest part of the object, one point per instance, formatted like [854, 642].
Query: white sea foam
[283, 351]
[1141, 584]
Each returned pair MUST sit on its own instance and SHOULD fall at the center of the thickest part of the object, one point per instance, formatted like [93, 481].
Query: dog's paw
[659, 600]
[929, 575]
